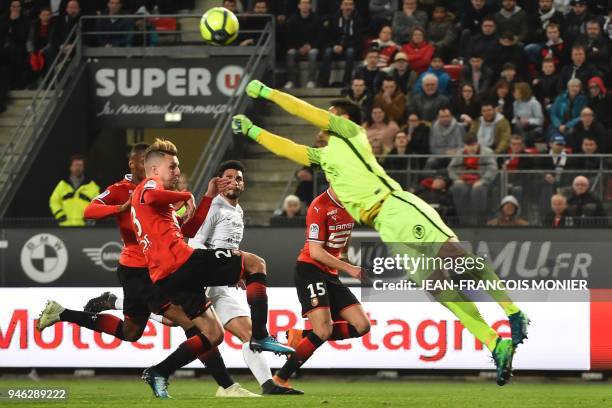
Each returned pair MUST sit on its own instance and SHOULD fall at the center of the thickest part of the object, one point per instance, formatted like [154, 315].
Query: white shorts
[228, 302]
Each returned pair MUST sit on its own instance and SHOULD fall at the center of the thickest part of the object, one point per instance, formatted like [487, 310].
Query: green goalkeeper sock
[472, 320]
[500, 296]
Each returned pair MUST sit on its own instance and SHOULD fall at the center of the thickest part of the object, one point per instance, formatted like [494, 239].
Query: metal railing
[16, 157]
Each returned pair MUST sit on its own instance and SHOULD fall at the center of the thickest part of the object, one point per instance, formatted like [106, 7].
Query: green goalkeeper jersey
[351, 168]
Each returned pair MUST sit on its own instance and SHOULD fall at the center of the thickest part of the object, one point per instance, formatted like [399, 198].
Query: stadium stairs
[269, 178]
[19, 101]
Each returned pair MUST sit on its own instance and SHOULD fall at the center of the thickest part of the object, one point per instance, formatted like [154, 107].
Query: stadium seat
[454, 71]
[164, 24]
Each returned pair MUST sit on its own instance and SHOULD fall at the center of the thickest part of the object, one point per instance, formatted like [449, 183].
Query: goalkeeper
[373, 198]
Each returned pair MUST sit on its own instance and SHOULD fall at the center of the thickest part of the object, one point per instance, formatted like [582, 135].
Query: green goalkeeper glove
[241, 125]
[256, 89]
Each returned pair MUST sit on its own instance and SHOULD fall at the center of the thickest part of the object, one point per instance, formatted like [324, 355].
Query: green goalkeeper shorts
[411, 226]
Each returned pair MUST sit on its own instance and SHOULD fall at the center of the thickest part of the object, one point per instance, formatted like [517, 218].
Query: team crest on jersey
[313, 231]
[150, 185]
[314, 302]
[418, 231]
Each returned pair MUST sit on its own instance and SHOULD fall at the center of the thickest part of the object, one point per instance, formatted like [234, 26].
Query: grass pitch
[326, 392]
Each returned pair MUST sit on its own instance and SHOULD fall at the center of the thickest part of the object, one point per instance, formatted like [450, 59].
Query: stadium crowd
[486, 78]
[490, 79]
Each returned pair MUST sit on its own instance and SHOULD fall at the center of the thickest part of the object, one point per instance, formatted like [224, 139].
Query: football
[219, 26]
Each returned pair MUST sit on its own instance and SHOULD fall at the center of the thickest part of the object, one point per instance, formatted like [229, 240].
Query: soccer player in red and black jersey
[181, 272]
[141, 297]
[332, 309]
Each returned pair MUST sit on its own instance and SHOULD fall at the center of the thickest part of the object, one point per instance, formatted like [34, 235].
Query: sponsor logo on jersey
[332, 212]
[106, 256]
[341, 227]
[151, 184]
[418, 231]
[44, 258]
[313, 231]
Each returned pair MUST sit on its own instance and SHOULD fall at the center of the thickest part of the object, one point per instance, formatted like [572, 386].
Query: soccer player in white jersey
[223, 229]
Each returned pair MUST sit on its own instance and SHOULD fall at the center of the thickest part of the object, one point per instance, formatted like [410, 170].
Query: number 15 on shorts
[316, 290]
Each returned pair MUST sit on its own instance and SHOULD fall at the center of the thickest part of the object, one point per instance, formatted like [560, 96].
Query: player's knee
[363, 327]
[255, 264]
[132, 333]
[215, 335]
[323, 332]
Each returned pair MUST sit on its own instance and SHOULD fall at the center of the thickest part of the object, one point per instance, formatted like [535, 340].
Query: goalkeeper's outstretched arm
[278, 145]
[297, 107]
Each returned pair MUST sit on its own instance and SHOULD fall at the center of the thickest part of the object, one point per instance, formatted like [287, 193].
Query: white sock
[119, 304]
[157, 318]
[257, 364]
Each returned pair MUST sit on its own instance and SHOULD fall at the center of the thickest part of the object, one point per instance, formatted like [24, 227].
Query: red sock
[107, 323]
[257, 298]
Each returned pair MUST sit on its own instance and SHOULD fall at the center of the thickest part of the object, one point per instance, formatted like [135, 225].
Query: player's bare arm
[319, 254]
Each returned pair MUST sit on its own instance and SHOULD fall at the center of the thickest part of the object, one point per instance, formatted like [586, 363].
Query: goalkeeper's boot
[105, 301]
[50, 315]
[269, 343]
[502, 356]
[157, 382]
[294, 336]
[518, 325]
[283, 387]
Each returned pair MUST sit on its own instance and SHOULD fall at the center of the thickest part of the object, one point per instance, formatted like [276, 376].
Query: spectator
[435, 192]
[513, 19]
[252, 21]
[516, 165]
[491, 129]
[558, 216]
[392, 100]
[39, 47]
[547, 14]
[466, 105]
[231, 5]
[418, 133]
[14, 29]
[472, 170]
[445, 137]
[397, 161]
[504, 98]
[597, 47]
[406, 20]
[305, 187]
[292, 206]
[588, 126]
[600, 102]
[565, 111]
[509, 210]
[509, 74]
[585, 160]
[378, 150]
[575, 20]
[303, 43]
[479, 76]
[381, 14]
[582, 203]
[64, 25]
[369, 71]
[401, 72]
[485, 42]
[72, 195]
[545, 83]
[113, 24]
[528, 117]
[436, 68]
[471, 22]
[506, 51]
[379, 127]
[579, 68]
[427, 105]
[607, 25]
[553, 47]
[441, 31]
[473, 16]
[360, 95]
[141, 25]
[342, 39]
[419, 51]
[385, 46]
[563, 6]
[556, 162]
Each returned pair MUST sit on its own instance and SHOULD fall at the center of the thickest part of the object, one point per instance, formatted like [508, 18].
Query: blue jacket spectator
[565, 110]
[444, 80]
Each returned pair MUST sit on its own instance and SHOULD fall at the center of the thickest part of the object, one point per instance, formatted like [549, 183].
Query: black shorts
[140, 296]
[205, 267]
[318, 289]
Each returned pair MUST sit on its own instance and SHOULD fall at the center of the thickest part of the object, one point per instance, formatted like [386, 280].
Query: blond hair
[160, 148]
[524, 91]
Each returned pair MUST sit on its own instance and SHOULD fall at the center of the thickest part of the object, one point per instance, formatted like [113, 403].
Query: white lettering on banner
[403, 335]
[125, 109]
[144, 81]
